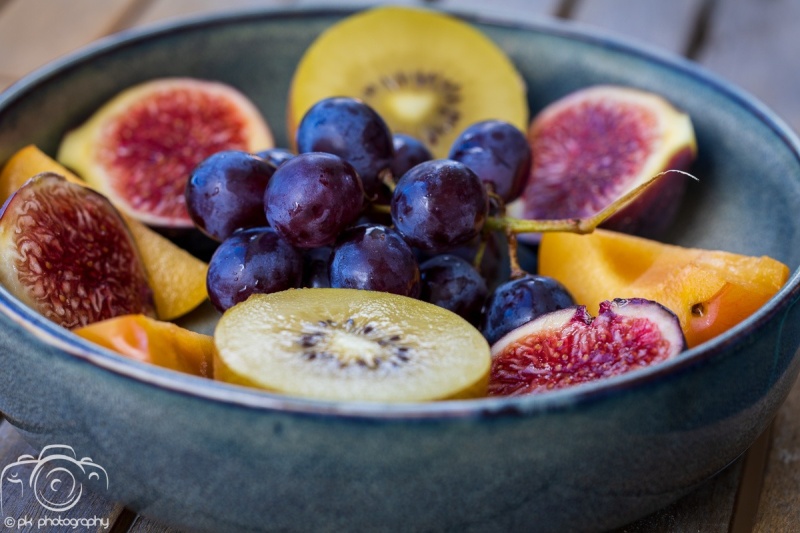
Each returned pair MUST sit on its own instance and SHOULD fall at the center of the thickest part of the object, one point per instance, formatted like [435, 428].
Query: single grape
[255, 260]
[225, 192]
[349, 128]
[498, 153]
[451, 282]
[374, 257]
[408, 153]
[315, 267]
[439, 204]
[519, 301]
[276, 156]
[312, 197]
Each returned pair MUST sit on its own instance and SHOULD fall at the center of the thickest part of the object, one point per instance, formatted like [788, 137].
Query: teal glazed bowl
[209, 456]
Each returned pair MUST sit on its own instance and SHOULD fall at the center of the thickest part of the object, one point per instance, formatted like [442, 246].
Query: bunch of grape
[359, 207]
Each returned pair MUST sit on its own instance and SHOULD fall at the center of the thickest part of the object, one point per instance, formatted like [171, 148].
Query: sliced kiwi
[428, 74]
[348, 344]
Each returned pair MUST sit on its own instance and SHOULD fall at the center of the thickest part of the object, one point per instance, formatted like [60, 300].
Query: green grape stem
[573, 225]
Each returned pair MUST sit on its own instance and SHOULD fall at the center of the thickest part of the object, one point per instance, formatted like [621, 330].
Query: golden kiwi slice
[351, 345]
[428, 74]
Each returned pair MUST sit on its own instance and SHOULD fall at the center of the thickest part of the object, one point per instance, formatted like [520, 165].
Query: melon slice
[709, 290]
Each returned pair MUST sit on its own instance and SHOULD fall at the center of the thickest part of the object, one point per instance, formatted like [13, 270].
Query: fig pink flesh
[585, 156]
[549, 354]
[74, 257]
[151, 148]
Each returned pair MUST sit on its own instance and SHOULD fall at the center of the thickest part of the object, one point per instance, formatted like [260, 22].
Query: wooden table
[753, 43]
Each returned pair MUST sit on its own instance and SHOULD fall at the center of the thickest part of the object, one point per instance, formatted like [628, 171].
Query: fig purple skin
[652, 213]
[569, 347]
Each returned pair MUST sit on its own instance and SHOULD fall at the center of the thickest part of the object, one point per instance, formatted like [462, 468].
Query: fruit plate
[216, 457]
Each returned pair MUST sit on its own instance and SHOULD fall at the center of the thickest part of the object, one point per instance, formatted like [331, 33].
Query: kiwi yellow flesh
[428, 74]
[350, 345]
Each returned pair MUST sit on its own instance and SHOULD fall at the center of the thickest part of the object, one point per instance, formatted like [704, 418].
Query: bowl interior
[748, 171]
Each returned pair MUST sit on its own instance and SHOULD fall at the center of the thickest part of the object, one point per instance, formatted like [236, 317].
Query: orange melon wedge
[709, 290]
[177, 278]
[153, 341]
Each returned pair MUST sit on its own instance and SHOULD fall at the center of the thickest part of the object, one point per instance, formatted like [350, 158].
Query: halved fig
[595, 144]
[177, 278]
[568, 347]
[66, 252]
[139, 148]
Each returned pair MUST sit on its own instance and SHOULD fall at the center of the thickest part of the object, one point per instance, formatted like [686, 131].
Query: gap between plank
[751, 481]
[566, 9]
[700, 30]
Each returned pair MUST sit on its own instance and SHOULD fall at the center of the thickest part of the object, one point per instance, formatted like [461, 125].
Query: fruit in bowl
[698, 410]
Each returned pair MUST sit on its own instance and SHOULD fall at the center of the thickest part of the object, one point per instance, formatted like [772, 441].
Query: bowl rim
[204, 389]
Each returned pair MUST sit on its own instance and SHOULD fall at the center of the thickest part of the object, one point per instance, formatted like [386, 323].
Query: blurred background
[752, 43]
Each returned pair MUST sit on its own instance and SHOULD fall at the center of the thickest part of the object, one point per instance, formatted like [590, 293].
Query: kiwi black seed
[446, 94]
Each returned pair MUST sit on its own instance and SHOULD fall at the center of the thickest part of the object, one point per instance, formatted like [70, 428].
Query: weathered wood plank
[707, 509]
[21, 510]
[510, 9]
[33, 32]
[167, 9]
[779, 506]
[146, 525]
[5, 81]
[754, 43]
[666, 25]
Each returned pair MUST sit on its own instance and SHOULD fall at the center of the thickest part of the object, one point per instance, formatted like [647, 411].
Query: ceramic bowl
[209, 456]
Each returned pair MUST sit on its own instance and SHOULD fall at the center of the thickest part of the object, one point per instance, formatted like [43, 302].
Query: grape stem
[512, 225]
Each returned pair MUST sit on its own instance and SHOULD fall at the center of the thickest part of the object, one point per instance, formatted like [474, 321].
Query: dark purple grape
[225, 192]
[498, 153]
[315, 267]
[408, 153]
[439, 204]
[451, 282]
[519, 301]
[312, 197]
[251, 261]
[494, 266]
[376, 258]
[276, 156]
[352, 130]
